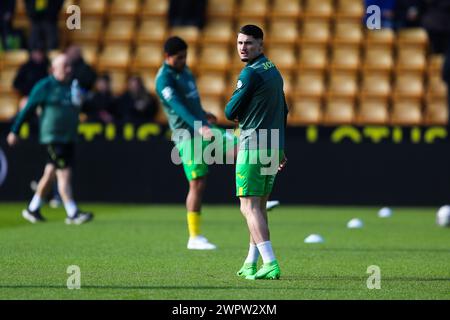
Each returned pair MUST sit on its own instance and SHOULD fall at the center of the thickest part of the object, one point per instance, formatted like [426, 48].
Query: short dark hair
[252, 30]
[174, 45]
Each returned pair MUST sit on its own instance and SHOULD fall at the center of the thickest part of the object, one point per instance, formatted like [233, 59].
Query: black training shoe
[33, 216]
[80, 218]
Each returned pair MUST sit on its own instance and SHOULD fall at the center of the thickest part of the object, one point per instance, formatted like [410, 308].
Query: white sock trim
[71, 208]
[35, 203]
[253, 254]
[266, 251]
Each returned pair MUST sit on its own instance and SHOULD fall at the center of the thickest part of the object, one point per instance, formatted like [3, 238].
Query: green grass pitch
[139, 252]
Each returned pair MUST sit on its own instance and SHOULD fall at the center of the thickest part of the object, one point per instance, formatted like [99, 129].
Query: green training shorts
[256, 171]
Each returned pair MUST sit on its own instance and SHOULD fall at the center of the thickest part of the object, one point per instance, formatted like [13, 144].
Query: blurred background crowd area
[336, 70]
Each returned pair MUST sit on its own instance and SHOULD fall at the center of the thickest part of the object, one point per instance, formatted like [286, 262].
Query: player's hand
[282, 164]
[12, 139]
[206, 132]
[211, 118]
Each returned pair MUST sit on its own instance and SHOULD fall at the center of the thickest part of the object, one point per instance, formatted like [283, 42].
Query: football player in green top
[60, 98]
[259, 106]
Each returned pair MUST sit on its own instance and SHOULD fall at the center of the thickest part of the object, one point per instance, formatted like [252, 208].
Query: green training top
[59, 120]
[259, 103]
[180, 99]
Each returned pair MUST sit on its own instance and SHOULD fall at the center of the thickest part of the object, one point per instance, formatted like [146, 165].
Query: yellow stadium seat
[93, 8]
[189, 34]
[7, 77]
[283, 31]
[350, 9]
[436, 112]
[152, 30]
[318, 8]
[114, 57]
[192, 57]
[8, 106]
[313, 56]
[315, 31]
[118, 81]
[382, 37]
[215, 58]
[348, 32]
[339, 111]
[406, 112]
[373, 111]
[345, 57]
[286, 9]
[257, 21]
[342, 84]
[376, 84]
[91, 31]
[221, 8]
[128, 8]
[306, 110]
[148, 77]
[120, 30]
[148, 56]
[155, 8]
[14, 58]
[283, 56]
[410, 58]
[214, 105]
[310, 84]
[435, 64]
[90, 54]
[378, 58]
[211, 84]
[288, 80]
[412, 36]
[436, 86]
[251, 8]
[219, 31]
[409, 85]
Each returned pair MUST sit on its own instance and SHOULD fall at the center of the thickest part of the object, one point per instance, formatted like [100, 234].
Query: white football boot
[200, 243]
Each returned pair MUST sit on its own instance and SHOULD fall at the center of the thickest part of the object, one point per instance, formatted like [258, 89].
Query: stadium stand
[336, 71]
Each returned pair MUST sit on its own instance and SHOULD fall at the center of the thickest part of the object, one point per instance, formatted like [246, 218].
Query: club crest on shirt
[239, 84]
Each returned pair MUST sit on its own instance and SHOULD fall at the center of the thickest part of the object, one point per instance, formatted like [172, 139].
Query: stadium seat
[148, 56]
[120, 30]
[8, 106]
[219, 31]
[347, 32]
[192, 57]
[211, 84]
[350, 9]
[155, 8]
[376, 84]
[288, 80]
[127, 8]
[436, 112]
[436, 86]
[435, 64]
[283, 31]
[378, 59]
[214, 58]
[313, 56]
[148, 76]
[221, 9]
[342, 84]
[90, 32]
[114, 57]
[318, 9]
[310, 84]
[258, 21]
[216, 106]
[7, 77]
[373, 111]
[95, 8]
[409, 85]
[339, 111]
[406, 112]
[118, 81]
[251, 8]
[14, 58]
[283, 56]
[152, 30]
[90, 54]
[382, 38]
[315, 31]
[345, 57]
[412, 37]
[190, 34]
[306, 110]
[410, 58]
[285, 9]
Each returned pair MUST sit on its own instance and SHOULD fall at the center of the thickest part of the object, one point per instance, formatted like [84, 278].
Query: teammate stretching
[60, 100]
[259, 105]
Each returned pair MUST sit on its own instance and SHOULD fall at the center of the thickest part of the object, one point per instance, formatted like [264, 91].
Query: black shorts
[60, 154]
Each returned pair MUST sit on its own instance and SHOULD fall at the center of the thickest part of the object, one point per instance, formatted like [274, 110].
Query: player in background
[60, 99]
[258, 102]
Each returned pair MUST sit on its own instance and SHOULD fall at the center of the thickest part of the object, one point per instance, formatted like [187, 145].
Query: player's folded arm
[242, 95]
